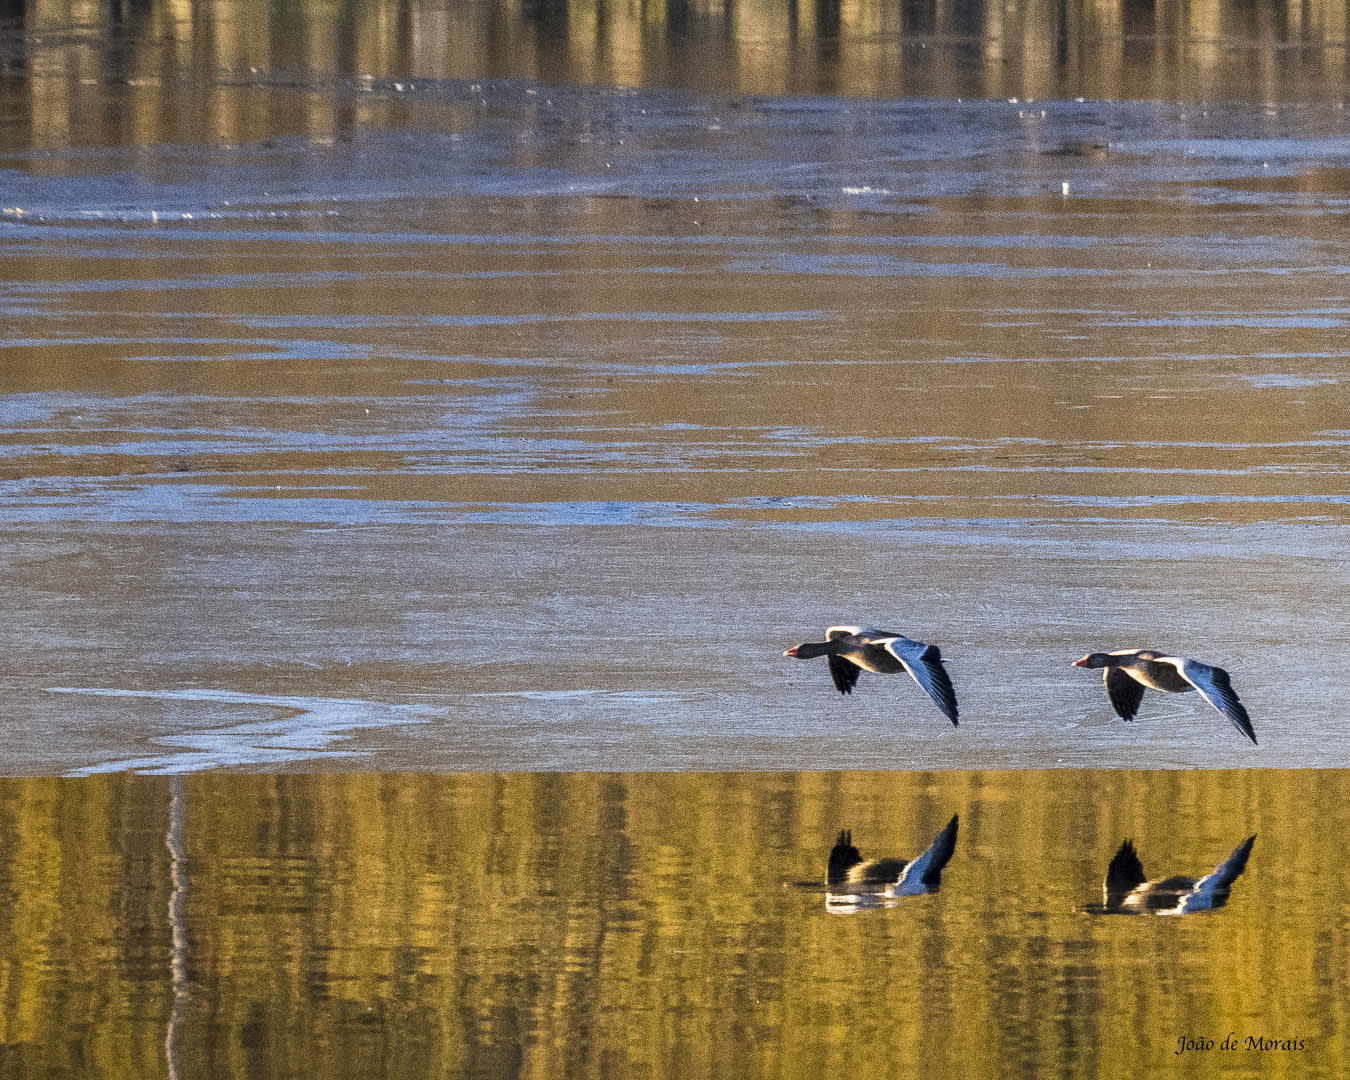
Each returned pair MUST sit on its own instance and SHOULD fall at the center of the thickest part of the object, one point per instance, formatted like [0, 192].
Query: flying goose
[1128, 671]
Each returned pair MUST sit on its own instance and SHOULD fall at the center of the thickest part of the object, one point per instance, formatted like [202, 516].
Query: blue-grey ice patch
[292, 729]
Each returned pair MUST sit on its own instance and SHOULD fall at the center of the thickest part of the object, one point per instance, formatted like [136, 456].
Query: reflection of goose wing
[924, 664]
[1214, 687]
[1212, 890]
[1123, 876]
[925, 872]
[1125, 693]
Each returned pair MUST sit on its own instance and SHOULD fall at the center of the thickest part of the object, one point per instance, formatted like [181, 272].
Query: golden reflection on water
[72, 53]
[646, 924]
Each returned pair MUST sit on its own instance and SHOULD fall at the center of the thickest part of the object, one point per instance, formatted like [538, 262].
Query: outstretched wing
[1212, 890]
[924, 664]
[844, 673]
[1124, 692]
[925, 872]
[1214, 687]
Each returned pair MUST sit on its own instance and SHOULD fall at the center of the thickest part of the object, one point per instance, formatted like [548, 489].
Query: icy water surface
[527, 428]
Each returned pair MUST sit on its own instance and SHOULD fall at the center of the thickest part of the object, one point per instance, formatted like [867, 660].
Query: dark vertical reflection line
[829, 25]
[173, 840]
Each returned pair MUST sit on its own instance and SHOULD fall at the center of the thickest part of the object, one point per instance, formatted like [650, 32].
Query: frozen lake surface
[427, 425]
[526, 430]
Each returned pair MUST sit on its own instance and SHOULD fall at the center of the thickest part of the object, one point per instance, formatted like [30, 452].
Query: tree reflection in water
[482, 924]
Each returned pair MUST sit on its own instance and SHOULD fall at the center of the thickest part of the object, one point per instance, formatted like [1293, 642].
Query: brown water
[464, 406]
[639, 924]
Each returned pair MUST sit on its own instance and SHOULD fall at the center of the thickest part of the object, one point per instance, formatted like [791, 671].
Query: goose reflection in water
[1127, 891]
[853, 883]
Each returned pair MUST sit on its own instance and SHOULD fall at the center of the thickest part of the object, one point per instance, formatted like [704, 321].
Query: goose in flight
[1128, 671]
[854, 649]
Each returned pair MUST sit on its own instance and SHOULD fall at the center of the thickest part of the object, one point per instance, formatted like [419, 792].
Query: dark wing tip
[1225, 699]
[1232, 867]
[1238, 714]
[943, 847]
[940, 687]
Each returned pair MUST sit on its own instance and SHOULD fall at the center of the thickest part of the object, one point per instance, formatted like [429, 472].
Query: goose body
[854, 649]
[1127, 891]
[1128, 671]
[852, 882]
